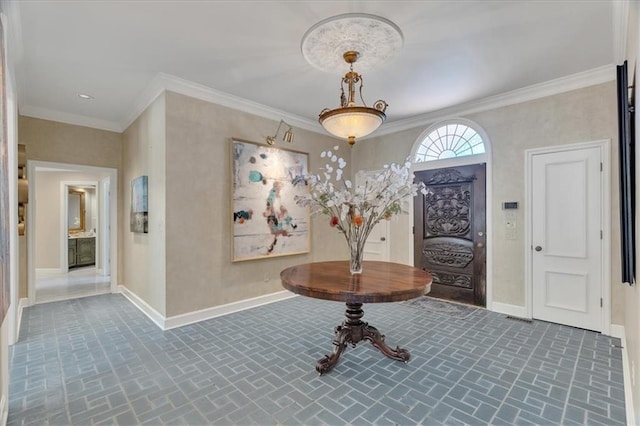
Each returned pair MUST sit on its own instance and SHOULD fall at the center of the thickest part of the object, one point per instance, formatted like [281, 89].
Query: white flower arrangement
[355, 209]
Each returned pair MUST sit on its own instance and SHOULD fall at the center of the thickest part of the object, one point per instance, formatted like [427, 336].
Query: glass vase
[355, 261]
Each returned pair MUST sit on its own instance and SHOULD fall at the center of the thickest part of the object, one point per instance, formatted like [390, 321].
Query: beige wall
[578, 116]
[198, 133]
[47, 221]
[66, 143]
[200, 273]
[56, 142]
[47, 217]
[143, 255]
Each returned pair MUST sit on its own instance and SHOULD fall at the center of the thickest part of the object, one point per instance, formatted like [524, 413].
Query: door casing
[112, 175]
[604, 146]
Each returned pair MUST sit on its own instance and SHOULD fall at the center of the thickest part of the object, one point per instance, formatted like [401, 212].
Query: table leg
[352, 331]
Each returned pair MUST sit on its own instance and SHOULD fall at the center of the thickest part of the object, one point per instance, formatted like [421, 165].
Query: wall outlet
[266, 277]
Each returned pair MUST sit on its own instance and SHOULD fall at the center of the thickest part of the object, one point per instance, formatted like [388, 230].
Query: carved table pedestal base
[352, 331]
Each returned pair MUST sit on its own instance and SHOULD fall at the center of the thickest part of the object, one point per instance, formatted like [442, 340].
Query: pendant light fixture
[351, 121]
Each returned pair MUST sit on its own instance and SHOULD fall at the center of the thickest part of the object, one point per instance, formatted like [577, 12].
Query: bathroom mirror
[75, 211]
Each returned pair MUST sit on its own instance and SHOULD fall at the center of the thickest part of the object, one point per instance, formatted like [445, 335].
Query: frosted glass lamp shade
[351, 122]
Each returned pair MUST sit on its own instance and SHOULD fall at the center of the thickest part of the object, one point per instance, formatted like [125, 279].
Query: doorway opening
[72, 238]
[452, 232]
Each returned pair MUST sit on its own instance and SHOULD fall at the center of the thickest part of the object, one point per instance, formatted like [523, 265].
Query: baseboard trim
[22, 303]
[201, 315]
[4, 409]
[155, 316]
[619, 332]
[229, 308]
[507, 309]
[47, 270]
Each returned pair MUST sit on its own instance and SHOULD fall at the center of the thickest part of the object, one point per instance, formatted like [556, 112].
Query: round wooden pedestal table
[379, 282]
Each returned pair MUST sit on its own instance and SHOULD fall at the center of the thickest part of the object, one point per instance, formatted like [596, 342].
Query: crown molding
[166, 82]
[64, 117]
[620, 28]
[552, 87]
[153, 89]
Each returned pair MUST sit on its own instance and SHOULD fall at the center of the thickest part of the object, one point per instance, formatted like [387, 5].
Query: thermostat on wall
[509, 205]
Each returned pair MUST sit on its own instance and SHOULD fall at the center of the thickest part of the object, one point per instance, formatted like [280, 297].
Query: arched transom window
[449, 141]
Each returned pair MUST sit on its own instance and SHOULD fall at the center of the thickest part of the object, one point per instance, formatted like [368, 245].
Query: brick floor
[98, 360]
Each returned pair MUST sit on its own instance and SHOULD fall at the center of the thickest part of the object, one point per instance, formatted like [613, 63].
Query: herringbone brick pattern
[98, 360]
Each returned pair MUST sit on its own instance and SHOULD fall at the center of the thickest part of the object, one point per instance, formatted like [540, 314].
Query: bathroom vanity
[82, 251]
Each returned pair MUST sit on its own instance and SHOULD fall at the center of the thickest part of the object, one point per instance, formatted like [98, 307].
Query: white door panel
[377, 245]
[566, 197]
[566, 291]
[566, 237]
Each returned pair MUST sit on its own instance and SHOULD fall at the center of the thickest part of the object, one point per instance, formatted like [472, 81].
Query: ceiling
[455, 52]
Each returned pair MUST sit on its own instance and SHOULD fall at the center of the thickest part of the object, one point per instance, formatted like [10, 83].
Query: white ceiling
[455, 52]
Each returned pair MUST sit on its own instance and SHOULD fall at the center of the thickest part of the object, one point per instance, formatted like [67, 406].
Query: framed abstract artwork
[139, 205]
[267, 222]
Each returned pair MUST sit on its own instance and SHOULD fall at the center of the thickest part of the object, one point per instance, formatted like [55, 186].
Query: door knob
[383, 239]
[538, 248]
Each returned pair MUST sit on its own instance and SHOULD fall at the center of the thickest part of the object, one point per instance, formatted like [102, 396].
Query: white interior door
[567, 245]
[377, 245]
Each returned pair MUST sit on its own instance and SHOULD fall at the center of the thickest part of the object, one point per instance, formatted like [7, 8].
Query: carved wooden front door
[449, 234]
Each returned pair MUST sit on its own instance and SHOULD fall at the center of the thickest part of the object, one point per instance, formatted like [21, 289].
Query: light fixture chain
[361, 86]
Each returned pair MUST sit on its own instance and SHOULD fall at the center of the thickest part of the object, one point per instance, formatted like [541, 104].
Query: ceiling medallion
[376, 39]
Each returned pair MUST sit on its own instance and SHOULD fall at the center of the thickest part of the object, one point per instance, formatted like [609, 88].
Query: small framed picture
[139, 205]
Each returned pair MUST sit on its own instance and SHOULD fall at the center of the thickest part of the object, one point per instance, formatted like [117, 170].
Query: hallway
[81, 282]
